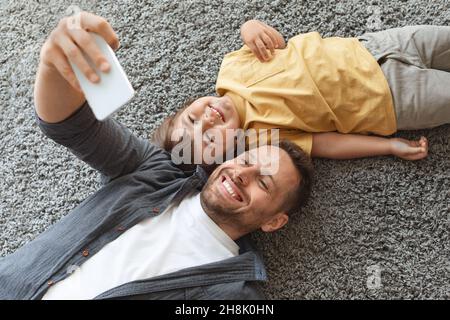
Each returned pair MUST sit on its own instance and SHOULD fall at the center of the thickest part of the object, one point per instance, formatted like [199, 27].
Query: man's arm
[335, 145]
[261, 39]
[62, 113]
[54, 98]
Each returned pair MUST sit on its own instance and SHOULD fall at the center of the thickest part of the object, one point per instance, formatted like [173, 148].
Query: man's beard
[214, 210]
[219, 214]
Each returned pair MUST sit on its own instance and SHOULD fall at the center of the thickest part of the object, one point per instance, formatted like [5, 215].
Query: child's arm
[261, 39]
[335, 145]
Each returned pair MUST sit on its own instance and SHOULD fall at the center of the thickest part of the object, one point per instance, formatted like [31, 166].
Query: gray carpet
[380, 213]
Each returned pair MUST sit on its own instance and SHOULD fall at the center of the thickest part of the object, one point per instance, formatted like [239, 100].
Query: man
[145, 234]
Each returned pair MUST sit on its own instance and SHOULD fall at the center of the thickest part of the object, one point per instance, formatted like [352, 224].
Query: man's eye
[263, 184]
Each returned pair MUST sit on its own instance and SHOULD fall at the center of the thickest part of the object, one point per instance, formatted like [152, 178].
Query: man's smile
[229, 189]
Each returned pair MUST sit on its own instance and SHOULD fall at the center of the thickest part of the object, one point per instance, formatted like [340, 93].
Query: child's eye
[191, 119]
[210, 138]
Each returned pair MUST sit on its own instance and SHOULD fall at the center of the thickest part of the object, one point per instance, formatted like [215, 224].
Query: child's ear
[277, 222]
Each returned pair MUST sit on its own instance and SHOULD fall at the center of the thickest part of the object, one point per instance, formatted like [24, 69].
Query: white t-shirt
[178, 238]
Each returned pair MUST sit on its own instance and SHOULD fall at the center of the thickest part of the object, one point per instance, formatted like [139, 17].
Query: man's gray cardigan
[138, 181]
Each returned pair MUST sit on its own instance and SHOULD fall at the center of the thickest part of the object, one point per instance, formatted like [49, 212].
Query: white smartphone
[112, 91]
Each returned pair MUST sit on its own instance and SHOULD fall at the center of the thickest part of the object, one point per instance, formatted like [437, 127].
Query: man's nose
[242, 176]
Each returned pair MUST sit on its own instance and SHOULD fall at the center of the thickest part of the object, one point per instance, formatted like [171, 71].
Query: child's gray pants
[416, 63]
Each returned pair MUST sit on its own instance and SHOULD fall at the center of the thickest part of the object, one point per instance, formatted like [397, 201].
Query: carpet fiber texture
[374, 228]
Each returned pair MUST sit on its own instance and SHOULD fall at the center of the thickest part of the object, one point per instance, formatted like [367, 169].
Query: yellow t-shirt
[313, 85]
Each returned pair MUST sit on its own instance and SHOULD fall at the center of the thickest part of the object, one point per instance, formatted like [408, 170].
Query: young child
[328, 95]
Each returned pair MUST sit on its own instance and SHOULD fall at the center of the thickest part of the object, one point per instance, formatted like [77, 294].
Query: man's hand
[66, 42]
[57, 93]
[409, 150]
[261, 39]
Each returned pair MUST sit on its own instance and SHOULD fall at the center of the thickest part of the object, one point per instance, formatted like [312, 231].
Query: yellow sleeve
[303, 139]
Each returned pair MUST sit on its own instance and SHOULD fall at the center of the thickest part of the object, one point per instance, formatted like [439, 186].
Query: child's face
[214, 115]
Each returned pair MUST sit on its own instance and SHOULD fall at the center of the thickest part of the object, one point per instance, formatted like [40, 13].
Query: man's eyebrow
[270, 176]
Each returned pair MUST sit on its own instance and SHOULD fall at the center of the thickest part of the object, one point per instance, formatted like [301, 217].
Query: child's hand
[409, 150]
[261, 39]
[67, 40]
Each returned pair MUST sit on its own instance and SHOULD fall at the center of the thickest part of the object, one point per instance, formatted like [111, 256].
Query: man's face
[249, 192]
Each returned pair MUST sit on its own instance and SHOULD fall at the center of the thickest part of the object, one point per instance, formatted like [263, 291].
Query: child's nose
[207, 123]
[210, 118]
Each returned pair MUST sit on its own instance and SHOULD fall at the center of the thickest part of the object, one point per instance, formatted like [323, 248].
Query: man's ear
[277, 222]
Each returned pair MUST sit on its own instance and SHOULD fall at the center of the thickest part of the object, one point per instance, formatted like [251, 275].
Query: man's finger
[94, 23]
[65, 70]
[73, 53]
[86, 42]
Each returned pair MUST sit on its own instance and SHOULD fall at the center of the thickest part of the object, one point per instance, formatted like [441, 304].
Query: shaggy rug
[374, 228]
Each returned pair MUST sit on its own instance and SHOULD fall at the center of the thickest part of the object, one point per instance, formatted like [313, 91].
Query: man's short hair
[298, 197]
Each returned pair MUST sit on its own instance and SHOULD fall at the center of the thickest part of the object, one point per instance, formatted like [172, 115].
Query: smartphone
[112, 91]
